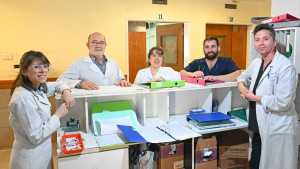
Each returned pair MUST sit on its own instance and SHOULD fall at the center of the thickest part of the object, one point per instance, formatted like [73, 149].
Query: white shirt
[145, 75]
[32, 123]
[85, 69]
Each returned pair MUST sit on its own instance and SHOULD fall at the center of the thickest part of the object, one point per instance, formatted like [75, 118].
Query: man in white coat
[269, 84]
[95, 70]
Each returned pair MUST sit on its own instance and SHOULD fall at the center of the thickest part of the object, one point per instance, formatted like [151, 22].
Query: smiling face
[36, 72]
[156, 59]
[264, 42]
[96, 44]
[211, 49]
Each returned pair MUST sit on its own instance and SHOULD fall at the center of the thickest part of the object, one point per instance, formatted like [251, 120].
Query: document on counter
[154, 135]
[178, 131]
[89, 140]
[109, 140]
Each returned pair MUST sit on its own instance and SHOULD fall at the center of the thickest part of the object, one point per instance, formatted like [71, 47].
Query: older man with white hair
[97, 69]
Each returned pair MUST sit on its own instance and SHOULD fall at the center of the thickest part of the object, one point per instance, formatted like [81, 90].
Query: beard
[211, 55]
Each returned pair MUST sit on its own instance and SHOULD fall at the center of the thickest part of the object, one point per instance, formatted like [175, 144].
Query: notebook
[208, 117]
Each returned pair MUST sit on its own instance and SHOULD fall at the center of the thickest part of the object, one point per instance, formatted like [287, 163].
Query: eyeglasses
[39, 67]
[94, 43]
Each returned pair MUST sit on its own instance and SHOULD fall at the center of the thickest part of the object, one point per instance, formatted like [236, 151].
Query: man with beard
[212, 67]
[95, 70]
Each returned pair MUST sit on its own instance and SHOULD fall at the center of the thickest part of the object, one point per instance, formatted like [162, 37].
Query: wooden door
[137, 53]
[170, 38]
[233, 41]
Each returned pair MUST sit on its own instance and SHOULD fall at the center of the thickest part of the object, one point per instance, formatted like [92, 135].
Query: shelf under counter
[238, 124]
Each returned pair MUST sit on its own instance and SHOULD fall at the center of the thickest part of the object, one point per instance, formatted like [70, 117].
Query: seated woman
[155, 72]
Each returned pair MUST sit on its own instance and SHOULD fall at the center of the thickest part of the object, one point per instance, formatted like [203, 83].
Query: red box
[284, 18]
[281, 18]
[71, 143]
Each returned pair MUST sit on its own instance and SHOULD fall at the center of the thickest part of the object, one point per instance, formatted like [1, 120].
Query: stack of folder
[209, 120]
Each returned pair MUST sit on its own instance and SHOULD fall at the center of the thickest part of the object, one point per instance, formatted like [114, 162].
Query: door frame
[186, 40]
[249, 29]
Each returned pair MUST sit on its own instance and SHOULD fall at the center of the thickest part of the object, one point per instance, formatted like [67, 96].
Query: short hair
[265, 27]
[25, 61]
[211, 39]
[153, 49]
[94, 33]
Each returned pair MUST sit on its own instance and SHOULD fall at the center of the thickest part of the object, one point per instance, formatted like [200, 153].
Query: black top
[223, 66]
[253, 125]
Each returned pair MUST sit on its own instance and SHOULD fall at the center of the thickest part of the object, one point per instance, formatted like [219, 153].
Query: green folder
[112, 106]
[239, 113]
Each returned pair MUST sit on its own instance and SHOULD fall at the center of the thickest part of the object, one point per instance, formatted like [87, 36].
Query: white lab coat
[32, 123]
[85, 69]
[276, 115]
[145, 75]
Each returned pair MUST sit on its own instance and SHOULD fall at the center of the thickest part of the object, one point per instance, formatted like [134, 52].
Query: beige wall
[287, 6]
[59, 28]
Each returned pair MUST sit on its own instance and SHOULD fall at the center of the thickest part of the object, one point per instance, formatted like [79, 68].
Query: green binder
[164, 84]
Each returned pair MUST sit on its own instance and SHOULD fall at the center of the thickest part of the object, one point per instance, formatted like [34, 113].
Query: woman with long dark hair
[30, 115]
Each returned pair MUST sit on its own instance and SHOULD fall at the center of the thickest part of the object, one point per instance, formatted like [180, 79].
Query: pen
[161, 129]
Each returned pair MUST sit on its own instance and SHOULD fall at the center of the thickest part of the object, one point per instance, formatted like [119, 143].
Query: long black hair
[25, 61]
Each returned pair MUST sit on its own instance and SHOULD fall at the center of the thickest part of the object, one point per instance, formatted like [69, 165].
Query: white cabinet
[288, 43]
[152, 107]
[113, 159]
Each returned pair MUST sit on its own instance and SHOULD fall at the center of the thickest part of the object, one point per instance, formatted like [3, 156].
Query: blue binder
[131, 135]
[208, 117]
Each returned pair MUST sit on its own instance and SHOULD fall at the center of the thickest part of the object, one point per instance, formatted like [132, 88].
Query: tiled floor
[4, 158]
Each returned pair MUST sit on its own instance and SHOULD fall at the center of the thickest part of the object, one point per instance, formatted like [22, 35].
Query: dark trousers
[256, 151]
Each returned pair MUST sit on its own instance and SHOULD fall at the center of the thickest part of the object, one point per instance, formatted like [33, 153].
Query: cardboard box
[206, 153]
[233, 150]
[171, 156]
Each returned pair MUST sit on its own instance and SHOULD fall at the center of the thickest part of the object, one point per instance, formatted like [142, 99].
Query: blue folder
[131, 135]
[208, 117]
